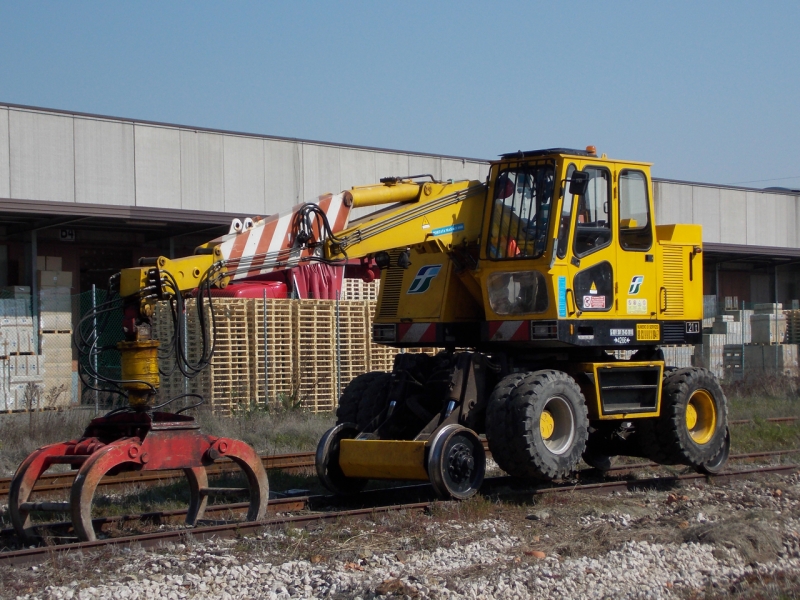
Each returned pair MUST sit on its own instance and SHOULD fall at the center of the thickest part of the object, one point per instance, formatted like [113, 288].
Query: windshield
[521, 212]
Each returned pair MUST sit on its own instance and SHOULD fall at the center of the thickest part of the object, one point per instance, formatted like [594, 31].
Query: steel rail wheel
[456, 462]
[327, 461]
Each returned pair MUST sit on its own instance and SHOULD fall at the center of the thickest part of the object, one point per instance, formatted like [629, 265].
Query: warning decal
[648, 332]
[594, 302]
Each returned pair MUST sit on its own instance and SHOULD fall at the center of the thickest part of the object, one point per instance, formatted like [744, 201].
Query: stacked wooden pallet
[792, 326]
[274, 352]
[356, 289]
[274, 375]
[315, 353]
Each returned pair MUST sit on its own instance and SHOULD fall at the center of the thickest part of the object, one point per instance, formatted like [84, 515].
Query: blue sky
[708, 91]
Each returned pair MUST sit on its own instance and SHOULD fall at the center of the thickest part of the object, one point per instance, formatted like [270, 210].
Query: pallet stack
[792, 326]
[274, 375]
[315, 353]
[354, 339]
[356, 289]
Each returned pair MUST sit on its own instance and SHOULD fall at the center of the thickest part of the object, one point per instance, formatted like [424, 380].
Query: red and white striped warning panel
[267, 246]
[503, 331]
[414, 333]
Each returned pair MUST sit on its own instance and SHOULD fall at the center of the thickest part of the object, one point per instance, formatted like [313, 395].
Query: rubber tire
[347, 411]
[523, 453]
[666, 439]
[497, 419]
[374, 400]
[717, 464]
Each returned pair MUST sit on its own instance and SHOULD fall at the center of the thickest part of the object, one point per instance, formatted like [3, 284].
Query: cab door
[636, 267]
[592, 273]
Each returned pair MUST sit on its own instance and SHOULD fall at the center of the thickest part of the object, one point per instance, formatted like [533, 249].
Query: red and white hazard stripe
[414, 333]
[255, 250]
[503, 331]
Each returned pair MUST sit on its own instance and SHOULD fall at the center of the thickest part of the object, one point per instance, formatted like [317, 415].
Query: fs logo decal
[636, 284]
[422, 281]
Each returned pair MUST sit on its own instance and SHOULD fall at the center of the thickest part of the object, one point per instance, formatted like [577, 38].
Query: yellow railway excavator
[527, 281]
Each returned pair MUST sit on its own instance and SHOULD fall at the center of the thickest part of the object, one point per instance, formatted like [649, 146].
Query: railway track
[51, 482]
[318, 509]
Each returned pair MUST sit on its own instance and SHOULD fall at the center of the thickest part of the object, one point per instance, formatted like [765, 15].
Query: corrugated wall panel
[283, 175]
[791, 218]
[202, 185]
[321, 171]
[5, 175]
[705, 211]
[104, 172]
[733, 217]
[158, 166]
[244, 175]
[42, 161]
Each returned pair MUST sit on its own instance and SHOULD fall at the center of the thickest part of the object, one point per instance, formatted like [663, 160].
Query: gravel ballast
[708, 541]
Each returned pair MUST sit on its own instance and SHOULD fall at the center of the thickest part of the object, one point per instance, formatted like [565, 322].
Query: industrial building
[94, 193]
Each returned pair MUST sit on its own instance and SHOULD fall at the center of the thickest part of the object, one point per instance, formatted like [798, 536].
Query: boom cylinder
[389, 193]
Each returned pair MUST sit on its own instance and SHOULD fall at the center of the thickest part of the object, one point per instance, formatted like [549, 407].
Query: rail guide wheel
[456, 462]
[327, 461]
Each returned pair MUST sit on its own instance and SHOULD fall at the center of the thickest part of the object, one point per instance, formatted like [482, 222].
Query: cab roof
[531, 153]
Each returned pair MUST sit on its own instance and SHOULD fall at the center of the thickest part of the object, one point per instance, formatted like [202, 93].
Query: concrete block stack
[779, 359]
[20, 368]
[743, 318]
[55, 331]
[678, 356]
[768, 324]
[726, 325]
[711, 353]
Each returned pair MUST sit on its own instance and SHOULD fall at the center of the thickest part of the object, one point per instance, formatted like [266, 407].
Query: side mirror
[579, 183]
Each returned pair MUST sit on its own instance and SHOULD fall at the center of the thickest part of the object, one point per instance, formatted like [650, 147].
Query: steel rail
[297, 460]
[149, 540]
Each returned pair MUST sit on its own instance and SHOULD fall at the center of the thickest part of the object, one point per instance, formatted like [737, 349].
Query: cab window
[593, 220]
[635, 230]
[566, 216]
[521, 212]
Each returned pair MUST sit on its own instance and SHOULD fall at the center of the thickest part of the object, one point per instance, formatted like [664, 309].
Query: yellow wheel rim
[546, 425]
[701, 417]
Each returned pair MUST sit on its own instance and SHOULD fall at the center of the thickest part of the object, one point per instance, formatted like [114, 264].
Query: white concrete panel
[705, 211]
[388, 164]
[357, 167]
[733, 216]
[422, 165]
[761, 219]
[673, 203]
[791, 218]
[458, 169]
[42, 161]
[201, 171]
[244, 175]
[321, 171]
[104, 171]
[781, 235]
[158, 166]
[5, 174]
[283, 175]
[483, 171]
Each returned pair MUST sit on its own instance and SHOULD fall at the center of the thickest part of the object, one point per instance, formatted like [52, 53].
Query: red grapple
[134, 441]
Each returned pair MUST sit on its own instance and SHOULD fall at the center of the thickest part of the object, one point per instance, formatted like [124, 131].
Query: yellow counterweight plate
[383, 459]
